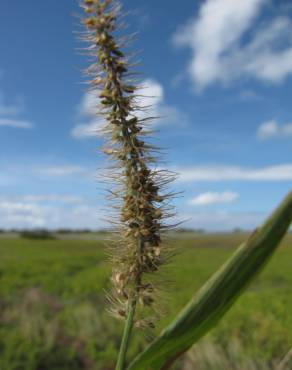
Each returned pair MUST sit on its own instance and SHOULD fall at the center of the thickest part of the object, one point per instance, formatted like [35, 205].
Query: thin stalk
[126, 334]
[131, 309]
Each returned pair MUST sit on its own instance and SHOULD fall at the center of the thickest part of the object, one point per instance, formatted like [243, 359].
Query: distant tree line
[43, 233]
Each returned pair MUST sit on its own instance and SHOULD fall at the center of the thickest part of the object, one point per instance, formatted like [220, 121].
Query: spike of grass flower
[142, 205]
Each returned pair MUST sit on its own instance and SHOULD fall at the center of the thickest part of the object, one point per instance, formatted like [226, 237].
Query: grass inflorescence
[140, 187]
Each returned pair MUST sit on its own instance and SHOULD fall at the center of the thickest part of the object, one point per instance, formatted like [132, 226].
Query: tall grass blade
[214, 299]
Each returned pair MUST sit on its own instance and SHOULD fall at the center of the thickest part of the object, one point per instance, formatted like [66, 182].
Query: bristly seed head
[139, 251]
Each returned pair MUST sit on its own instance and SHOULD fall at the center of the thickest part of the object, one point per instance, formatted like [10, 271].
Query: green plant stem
[217, 296]
[126, 334]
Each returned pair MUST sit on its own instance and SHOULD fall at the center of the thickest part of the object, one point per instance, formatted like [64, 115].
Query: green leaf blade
[219, 293]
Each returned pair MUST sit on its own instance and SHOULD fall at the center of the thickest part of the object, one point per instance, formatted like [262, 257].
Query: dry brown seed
[133, 225]
[97, 81]
[117, 52]
[103, 37]
[90, 22]
[158, 213]
[157, 252]
[122, 313]
[106, 102]
[115, 94]
[102, 21]
[151, 324]
[89, 10]
[147, 301]
[121, 67]
[122, 157]
[145, 232]
[133, 120]
[128, 233]
[105, 94]
[119, 277]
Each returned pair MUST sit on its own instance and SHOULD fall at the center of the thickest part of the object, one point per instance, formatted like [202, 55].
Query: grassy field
[52, 306]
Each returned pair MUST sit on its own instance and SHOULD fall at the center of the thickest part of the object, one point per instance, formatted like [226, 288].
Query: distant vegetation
[64, 231]
[52, 307]
[37, 234]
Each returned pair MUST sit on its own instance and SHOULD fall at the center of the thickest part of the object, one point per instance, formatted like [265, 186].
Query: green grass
[52, 305]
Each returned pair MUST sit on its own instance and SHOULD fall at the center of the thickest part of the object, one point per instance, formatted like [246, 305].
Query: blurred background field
[52, 305]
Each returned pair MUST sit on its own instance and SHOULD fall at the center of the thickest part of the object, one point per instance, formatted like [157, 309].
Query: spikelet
[142, 205]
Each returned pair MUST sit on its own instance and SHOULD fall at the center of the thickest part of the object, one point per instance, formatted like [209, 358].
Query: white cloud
[34, 211]
[234, 173]
[22, 214]
[25, 214]
[88, 110]
[89, 130]
[89, 104]
[29, 213]
[44, 198]
[16, 123]
[56, 198]
[61, 170]
[272, 129]
[150, 97]
[12, 110]
[214, 198]
[268, 130]
[223, 221]
[220, 52]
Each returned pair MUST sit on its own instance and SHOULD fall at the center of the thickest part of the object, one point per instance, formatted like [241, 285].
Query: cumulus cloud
[209, 198]
[34, 211]
[12, 110]
[220, 50]
[150, 96]
[223, 221]
[92, 129]
[16, 123]
[44, 198]
[234, 173]
[54, 211]
[87, 111]
[29, 214]
[272, 129]
[18, 214]
[66, 170]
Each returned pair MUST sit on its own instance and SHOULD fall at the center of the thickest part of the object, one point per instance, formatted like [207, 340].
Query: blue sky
[221, 71]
